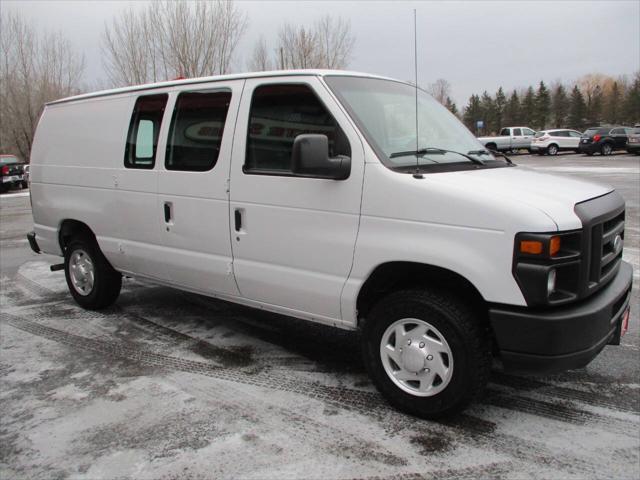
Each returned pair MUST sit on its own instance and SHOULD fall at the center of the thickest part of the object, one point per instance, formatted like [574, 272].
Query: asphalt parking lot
[171, 385]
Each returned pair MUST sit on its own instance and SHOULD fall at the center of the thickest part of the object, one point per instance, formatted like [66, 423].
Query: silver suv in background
[510, 138]
[553, 141]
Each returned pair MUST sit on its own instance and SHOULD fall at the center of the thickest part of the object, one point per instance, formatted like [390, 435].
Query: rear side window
[574, 134]
[196, 130]
[279, 113]
[142, 140]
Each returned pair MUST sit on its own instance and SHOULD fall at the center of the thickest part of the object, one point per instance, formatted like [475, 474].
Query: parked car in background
[604, 140]
[510, 138]
[633, 142]
[27, 174]
[11, 173]
[553, 141]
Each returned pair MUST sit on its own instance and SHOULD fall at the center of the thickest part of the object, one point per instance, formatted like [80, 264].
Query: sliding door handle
[238, 219]
[167, 212]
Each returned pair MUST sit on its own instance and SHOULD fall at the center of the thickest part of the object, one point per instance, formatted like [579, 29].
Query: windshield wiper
[491, 152]
[435, 151]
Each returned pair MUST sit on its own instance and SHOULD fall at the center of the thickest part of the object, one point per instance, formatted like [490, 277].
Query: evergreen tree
[560, 106]
[451, 106]
[489, 113]
[500, 105]
[632, 102]
[542, 107]
[577, 110]
[472, 113]
[612, 105]
[528, 107]
[512, 110]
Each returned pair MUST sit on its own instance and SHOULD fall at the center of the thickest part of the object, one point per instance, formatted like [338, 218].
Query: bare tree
[260, 61]
[170, 39]
[335, 42]
[35, 68]
[328, 44]
[440, 90]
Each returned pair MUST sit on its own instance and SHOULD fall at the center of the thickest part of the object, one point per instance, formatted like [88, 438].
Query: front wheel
[552, 149]
[426, 352]
[92, 281]
[606, 149]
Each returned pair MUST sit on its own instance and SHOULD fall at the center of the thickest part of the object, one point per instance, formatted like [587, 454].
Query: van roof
[217, 78]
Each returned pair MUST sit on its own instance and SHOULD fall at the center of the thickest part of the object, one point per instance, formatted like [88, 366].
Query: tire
[552, 149]
[25, 185]
[606, 149]
[84, 260]
[589, 154]
[4, 188]
[446, 317]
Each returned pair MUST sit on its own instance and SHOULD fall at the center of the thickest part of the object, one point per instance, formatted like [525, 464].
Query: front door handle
[167, 212]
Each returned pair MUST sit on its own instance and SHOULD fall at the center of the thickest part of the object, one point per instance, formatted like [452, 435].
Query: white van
[310, 194]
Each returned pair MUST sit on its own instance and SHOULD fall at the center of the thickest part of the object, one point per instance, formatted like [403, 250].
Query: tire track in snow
[475, 430]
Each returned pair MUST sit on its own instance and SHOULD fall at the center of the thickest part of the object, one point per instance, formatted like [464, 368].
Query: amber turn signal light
[554, 246]
[533, 247]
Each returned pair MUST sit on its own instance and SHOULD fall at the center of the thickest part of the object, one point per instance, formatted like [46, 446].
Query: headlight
[546, 266]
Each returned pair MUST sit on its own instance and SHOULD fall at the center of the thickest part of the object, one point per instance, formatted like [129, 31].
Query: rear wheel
[552, 149]
[25, 185]
[92, 281]
[606, 149]
[426, 352]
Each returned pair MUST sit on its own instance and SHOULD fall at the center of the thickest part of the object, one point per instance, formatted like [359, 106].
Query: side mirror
[310, 158]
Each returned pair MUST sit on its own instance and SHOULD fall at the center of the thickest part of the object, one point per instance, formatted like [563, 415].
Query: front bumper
[563, 338]
[633, 147]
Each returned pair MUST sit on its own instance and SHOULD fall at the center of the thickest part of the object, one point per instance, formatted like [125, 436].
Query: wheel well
[491, 145]
[393, 276]
[71, 228]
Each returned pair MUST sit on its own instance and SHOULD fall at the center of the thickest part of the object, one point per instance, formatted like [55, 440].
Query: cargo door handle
[238, 219]
[167, 212]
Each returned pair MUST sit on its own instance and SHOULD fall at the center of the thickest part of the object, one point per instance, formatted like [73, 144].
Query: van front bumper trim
[568, 337]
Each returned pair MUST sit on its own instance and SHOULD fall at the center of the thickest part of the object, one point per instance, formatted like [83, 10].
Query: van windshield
[385, 111]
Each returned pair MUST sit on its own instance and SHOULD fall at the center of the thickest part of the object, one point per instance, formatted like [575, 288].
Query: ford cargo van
[312, 194]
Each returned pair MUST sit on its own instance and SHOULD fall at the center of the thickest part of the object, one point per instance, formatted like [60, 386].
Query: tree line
[593, 100]
[162, 41]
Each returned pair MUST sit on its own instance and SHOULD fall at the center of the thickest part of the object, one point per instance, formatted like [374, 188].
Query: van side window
[142, 140]
[196, 130]
[279, 113]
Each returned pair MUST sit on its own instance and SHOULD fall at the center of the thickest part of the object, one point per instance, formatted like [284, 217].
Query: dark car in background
[633, 142]
[11, 173]
[603, 140]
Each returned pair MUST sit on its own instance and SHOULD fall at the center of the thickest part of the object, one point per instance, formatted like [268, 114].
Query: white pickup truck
[510, 139]
[310, 193]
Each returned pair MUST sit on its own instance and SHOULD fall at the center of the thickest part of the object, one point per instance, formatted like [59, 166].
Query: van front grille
[603, 229]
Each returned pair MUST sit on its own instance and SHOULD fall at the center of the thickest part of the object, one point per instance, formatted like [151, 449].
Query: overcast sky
[474, 45]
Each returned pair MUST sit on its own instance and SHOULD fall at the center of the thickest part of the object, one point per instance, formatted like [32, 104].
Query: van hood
[554, 195]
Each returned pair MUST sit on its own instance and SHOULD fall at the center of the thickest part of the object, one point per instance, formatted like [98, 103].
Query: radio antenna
[415, 69]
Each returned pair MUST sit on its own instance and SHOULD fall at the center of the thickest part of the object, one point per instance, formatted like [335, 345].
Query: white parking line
[17, 194]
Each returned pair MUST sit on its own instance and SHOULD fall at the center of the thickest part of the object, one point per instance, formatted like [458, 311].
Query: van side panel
[77, 152]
